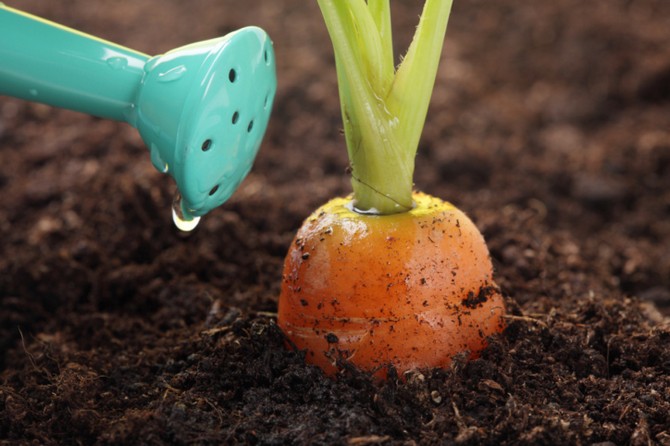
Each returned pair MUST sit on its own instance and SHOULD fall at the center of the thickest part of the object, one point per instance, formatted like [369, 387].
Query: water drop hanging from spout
[182, 220]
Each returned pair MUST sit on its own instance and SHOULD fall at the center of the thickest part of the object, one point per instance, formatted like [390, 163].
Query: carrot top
[383, 107]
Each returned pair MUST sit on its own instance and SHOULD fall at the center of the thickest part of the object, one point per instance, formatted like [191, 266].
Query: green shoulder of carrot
[387, 278]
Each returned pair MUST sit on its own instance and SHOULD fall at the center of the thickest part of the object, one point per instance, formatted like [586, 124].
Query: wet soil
[550, 127]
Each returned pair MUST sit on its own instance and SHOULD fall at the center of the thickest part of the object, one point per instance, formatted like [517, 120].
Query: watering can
[201, 109]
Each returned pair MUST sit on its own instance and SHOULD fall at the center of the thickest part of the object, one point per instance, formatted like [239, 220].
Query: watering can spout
[202, 109]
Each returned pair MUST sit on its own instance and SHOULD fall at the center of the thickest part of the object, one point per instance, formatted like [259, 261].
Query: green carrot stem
[383, 109]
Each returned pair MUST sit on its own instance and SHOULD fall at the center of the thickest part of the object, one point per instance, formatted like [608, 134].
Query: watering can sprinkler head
[202, 109]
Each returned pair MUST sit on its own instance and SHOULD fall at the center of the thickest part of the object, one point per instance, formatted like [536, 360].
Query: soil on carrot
[550, 127]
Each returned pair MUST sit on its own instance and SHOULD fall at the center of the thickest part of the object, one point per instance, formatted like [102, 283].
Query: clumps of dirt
[115, 329]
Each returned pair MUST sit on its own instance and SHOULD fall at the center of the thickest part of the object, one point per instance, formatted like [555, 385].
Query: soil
[550, 127]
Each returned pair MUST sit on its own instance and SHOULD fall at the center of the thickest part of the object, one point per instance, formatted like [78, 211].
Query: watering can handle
[45, 62]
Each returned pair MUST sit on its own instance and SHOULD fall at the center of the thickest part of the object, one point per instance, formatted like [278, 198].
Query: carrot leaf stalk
[383, 107]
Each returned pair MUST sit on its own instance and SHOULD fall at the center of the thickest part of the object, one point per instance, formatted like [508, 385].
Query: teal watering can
[202, 109]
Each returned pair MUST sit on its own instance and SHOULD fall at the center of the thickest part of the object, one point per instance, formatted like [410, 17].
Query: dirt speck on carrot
[475, 300]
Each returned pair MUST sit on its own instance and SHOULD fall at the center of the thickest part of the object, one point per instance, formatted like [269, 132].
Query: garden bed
[549, 127]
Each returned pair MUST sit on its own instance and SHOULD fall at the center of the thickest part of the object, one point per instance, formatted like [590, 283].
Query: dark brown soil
[550, 127]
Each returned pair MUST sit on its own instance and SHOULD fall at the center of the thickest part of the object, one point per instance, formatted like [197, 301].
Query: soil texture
[549, 127]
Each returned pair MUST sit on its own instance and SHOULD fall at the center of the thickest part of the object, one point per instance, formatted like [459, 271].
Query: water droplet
[172, 74]
[156, 159]
[352, 207]
[117, 63]
[33, 92]
[182, 220]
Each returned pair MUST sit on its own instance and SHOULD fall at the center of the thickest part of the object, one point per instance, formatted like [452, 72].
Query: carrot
[410, 289]
[388, 276]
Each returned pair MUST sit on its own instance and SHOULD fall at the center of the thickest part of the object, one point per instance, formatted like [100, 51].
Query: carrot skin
[409, 290]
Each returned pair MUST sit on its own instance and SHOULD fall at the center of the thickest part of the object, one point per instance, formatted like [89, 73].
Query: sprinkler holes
[232, 75]
[265, 56]
[250, 126]
[236, 117]
[214, 189]
[206, 145]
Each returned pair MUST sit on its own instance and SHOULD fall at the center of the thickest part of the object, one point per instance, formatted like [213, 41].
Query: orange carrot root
[409, 290]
